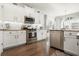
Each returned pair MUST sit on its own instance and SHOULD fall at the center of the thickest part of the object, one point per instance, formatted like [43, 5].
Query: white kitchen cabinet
[0, 12]
[6, 38]
[21, 37]
[29, 12]
[41, 34]
[9, 39]
[39, 18]
[36, 18]
[44, 34]
[19, 15]
[1, 42]
[13, 13]
[13, 38]
[78, 46]
[71, 43]
[8, 11]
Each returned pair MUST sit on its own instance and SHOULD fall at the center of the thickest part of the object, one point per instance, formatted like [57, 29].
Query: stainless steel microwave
[29, 20]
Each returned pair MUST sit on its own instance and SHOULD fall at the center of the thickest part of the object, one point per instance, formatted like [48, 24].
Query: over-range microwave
[29, 20]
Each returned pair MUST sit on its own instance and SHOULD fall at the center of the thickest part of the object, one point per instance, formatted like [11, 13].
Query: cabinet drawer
[71, 37]
[70, 34]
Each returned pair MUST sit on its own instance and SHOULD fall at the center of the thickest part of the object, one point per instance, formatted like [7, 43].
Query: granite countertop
[72, 30]
[66, 30]
[11, 30]
[56, 30]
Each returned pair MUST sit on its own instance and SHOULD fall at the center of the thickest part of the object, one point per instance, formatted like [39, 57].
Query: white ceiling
[56, 9]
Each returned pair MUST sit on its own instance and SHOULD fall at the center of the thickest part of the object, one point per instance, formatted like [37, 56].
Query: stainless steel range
[31, 35]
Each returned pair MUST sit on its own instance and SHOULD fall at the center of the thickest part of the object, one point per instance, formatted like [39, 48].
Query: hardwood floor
[36, 49]
[56, 52]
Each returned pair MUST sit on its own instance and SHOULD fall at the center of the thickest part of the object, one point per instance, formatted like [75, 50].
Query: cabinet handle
[77, 43]
[1, 43]
[41, 33]
[17, 36]
[64, 40]
[77, 37]
[70, 33]
[10, 32]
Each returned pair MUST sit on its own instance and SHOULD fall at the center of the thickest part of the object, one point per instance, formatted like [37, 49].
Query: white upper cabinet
[36, 18]
[13, 13]
[29, 12]
[8, 12]
[19, 14]
[39, 18]
[1, 12]
[16, 13]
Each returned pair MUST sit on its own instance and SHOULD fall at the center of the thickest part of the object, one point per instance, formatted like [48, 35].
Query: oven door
[32, 35]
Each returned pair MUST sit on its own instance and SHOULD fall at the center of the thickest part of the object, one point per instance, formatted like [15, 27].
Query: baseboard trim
[13, 47]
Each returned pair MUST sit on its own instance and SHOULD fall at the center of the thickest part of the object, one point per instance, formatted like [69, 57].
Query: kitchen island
[69, 38]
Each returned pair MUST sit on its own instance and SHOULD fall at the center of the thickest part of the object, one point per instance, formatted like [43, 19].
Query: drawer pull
[77, 37]
[70, 33]
[77, 43]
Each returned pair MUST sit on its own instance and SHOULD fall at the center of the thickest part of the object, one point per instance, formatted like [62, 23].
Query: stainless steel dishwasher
[56, 39]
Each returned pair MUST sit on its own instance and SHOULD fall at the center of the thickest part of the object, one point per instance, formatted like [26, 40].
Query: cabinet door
[1, 15]
[39, 35]
[8, 11]
[41, 19]
[19, 15]
[9, 39]
[44, 34]
[21, 37]
[13, 39]
[36, 18]
[1, 41]
[6, 38]
[77, 46]
[70, 45]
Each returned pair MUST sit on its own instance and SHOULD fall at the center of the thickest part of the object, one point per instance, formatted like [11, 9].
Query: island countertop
[67, 30]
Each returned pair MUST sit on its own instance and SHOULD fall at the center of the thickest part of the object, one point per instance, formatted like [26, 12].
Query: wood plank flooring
[56, 52]
[23, 51]
[33, 49]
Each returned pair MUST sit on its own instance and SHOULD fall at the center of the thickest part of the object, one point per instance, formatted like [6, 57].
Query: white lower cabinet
[9, 39]
[71, 45]
[41, 34]
[21, 38]
[1, 41]
[44, 34]
[13, 38]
